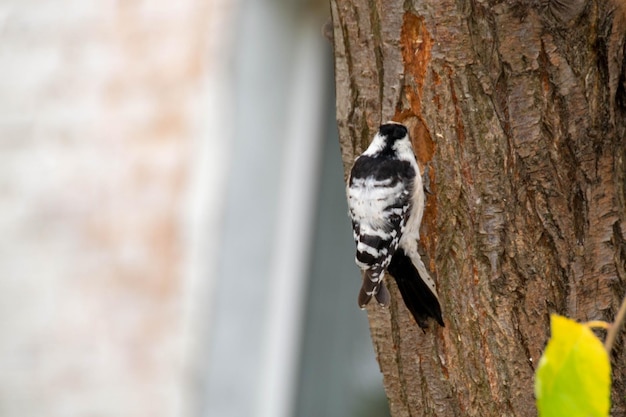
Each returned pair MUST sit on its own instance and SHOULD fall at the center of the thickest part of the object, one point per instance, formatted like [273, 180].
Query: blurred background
[175, 239]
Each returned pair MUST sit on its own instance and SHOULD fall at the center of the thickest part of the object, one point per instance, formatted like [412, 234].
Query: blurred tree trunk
[519, 109]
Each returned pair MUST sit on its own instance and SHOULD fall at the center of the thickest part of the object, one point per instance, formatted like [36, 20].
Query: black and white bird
[386, 203]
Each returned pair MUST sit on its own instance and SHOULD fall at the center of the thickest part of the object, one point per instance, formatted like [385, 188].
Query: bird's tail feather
[420, 298]
[373, 286]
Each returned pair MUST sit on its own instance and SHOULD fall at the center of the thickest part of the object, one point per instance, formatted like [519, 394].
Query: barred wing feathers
[379, 200]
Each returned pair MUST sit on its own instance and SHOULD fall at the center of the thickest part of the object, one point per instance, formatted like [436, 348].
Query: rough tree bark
[519, 108]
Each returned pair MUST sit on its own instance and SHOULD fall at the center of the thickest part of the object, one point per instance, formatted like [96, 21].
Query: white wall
[101, 110]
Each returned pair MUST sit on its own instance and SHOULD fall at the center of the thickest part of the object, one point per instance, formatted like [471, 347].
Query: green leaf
[573, 378]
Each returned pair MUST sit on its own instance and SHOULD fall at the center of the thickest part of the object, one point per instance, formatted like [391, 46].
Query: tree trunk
[519, 109]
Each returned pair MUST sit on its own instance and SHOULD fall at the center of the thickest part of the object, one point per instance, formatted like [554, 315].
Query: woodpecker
[386, 202]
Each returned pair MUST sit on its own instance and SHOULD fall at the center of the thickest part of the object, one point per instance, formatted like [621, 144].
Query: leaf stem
[615, 327]
[598, 324]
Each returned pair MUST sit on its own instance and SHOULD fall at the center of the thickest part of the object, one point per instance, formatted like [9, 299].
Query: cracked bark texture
[519, 109]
